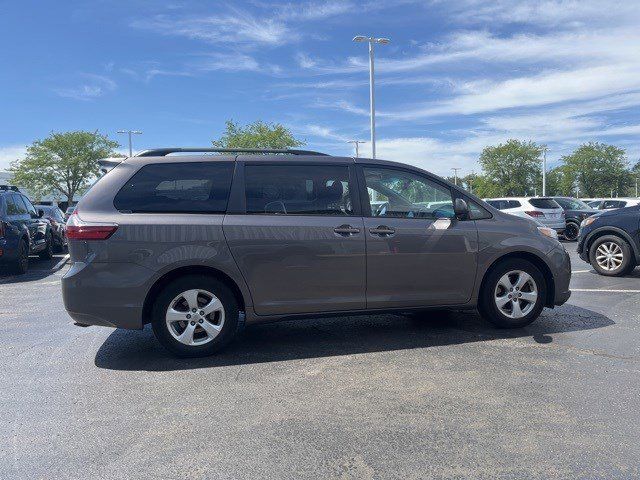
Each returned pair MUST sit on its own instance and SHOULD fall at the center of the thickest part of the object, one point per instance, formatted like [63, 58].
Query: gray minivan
[198, 244]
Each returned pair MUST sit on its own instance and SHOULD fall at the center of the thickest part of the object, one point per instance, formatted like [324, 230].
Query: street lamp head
[383, 41]
[360, 38]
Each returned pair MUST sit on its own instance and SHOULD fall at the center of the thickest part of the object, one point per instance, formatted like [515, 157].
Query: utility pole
[544, 172]
[357, 144]
[455, 174]
[130, 132]
[372, 97]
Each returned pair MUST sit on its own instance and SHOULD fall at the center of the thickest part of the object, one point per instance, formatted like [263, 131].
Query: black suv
[610, 241]
[23, 231]
[575, 211]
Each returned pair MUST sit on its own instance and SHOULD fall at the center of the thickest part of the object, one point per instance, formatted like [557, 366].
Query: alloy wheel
[571, 231]
[195, 317]
[516, 294]
[609, 256]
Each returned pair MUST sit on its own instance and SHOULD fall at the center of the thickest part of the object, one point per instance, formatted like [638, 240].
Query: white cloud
[10, 153]
[235, 27]
[92, 86]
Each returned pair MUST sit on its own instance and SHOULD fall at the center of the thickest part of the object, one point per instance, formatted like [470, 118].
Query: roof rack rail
[161, 152]
[9, 187]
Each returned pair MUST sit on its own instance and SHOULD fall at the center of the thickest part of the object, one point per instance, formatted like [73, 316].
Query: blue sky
[457, 76]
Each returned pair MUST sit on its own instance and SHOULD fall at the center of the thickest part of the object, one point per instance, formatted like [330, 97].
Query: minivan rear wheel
[513, 294]
[195, 316]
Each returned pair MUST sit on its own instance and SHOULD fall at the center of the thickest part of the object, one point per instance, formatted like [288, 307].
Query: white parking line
[61, 263]
[581, 271]
[603, 290]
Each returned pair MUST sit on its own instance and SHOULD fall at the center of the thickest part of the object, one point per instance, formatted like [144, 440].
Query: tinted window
[496, 204]
[513, 204]
[195, 187]
[12, 208]
[613, 204]
[572, 204]
[544, 203]
[29, 206]
[52, 212]
[298, 190]
[398, 193]
[18, 205]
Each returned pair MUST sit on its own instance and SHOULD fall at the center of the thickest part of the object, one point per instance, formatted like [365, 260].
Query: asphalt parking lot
[383, 396]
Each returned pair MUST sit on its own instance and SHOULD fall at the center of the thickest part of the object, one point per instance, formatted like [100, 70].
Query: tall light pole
[130, 132]
[455, 174]
[372, 98]
[356, 143]
[544, 173]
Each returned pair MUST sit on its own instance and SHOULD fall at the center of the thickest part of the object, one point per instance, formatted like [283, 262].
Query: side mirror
[40, 213]
[461, 209]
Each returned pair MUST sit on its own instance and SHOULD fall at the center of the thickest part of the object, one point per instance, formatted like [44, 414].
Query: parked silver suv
[196, 244]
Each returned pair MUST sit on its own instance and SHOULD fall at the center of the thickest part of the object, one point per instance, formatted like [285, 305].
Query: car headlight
[548, 232]
[587, 221]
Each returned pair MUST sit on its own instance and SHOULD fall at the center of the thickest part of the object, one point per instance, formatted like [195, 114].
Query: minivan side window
[182, 187]
[298, 190]
[402, 194]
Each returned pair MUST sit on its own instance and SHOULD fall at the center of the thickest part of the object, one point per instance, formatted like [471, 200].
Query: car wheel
[47, 253]
[571, 231]
[611, 256]
[21, 264]
[195, 316]
[513, 294]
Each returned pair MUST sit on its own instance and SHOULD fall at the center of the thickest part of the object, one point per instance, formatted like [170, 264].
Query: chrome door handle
[382, 231]
[346, 230]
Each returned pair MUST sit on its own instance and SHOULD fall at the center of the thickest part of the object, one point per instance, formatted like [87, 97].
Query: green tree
[561, 181]
[484, 187]
[599, 169]
[62, 163]
[514, 166]
[257, 135]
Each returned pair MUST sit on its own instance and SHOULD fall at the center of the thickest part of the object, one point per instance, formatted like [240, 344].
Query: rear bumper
[108, 295]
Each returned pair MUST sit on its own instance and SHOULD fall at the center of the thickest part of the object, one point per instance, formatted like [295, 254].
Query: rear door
[418, 253]
[298, 236]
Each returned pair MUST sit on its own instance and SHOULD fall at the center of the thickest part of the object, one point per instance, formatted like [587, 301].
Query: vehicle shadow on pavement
[38, 269]
[335, 336]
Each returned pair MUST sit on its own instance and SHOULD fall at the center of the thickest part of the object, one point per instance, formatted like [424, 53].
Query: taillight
[535, 213]
[90, 232]
[79, 230]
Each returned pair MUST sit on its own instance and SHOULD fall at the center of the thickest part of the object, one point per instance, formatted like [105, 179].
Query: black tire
[230, 326]
[571, 231]
[487, 303]
[21, 263]
[47, 253]
[625, 266]
[58, 247]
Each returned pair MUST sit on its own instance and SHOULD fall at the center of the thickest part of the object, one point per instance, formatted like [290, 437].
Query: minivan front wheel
[513, 294]
[195, 316]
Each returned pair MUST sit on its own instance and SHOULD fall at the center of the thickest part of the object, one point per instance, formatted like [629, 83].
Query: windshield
[572, 204]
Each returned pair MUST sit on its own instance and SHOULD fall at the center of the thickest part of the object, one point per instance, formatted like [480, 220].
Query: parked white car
[612, 203]
[544, 210]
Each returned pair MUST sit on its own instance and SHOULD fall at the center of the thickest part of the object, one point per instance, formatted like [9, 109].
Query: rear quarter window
[183, 187]
[547, 203]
